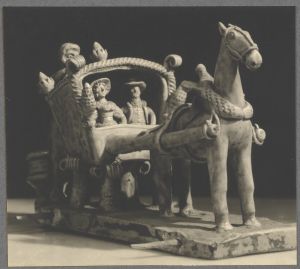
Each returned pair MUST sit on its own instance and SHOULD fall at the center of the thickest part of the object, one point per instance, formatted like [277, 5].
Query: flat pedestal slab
[194, 237]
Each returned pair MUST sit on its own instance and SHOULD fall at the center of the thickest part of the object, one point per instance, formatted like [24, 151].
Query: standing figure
[136, 110]
[108, 112]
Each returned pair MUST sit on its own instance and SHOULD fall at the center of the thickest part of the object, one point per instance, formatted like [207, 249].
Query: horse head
[241, 46]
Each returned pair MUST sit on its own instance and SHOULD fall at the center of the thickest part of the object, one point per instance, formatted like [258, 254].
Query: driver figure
[136, 109]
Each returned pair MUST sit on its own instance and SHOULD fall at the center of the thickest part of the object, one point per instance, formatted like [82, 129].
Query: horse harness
[237, 55]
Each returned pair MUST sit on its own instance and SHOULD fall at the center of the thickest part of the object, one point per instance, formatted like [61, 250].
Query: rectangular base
[193, 237]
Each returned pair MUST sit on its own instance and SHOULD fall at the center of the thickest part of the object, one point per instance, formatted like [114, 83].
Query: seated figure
[136, 110]
[108, 112]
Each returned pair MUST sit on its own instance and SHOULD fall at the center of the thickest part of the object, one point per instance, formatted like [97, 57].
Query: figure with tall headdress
[108, 112]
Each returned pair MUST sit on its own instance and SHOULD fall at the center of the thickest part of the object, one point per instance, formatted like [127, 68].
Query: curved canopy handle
[172, 61]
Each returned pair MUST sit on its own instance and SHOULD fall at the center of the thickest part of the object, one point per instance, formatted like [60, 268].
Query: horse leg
[217, 168]
[182, 169]
[162, 173]
[243, 170]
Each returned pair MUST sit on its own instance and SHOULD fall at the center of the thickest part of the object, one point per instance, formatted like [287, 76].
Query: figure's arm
[152, 116]
[125, 110]
[119, 115]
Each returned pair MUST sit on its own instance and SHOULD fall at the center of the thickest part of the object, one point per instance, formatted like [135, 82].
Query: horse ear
[222, 28]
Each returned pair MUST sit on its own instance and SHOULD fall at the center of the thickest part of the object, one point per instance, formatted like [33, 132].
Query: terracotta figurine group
[215, 128]
[135, 111]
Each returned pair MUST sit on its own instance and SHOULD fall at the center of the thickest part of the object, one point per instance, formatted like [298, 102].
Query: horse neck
[227, 78]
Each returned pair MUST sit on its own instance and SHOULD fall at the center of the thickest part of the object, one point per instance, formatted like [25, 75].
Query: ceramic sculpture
[96, 159]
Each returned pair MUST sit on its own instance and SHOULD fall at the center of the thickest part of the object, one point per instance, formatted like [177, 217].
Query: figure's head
[133, 171]
[136, 88]
[45, 84]
[68, 50]
[101, 87]
[128, 184]
[98, 52]
[241, 46]
[135, 91]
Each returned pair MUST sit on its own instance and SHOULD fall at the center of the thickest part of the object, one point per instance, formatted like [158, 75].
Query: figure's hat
[132, 83]
[104, 80]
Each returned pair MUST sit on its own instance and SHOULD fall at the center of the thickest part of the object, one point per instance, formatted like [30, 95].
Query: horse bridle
[237, 55]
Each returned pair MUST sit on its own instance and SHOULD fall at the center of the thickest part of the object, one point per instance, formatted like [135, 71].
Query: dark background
[32, 37]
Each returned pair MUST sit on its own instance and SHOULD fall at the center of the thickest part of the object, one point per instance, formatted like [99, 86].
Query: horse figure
[222, 101]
